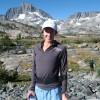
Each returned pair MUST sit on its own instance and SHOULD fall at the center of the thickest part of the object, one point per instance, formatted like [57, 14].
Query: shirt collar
[54, 44]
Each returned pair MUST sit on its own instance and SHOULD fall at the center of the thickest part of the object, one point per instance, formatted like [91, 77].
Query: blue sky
[58, 9]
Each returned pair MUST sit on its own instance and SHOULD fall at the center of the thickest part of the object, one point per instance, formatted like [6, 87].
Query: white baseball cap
[49, 23]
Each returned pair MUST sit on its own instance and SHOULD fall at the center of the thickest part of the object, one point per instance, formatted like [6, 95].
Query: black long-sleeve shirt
[48, 64]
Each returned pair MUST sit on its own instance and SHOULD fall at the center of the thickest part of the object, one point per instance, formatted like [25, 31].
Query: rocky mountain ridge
[78, 23]
[30, 17]
[24, 8]
[79, 15]
[26, 14]
[82, 23]
[14, 12]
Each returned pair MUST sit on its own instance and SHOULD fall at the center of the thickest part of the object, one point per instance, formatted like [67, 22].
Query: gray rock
[87, 91]
[98, 95]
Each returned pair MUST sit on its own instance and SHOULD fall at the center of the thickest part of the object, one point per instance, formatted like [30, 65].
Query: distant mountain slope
[13, 29]
[83, 23]
[78, 23]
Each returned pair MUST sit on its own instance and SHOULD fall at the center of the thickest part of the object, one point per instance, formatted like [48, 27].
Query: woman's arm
[63, 70]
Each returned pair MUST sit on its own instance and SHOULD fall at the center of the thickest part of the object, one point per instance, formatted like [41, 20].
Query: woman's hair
[56, 32]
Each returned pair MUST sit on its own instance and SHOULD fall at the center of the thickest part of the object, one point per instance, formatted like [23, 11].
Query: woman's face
[48, 34]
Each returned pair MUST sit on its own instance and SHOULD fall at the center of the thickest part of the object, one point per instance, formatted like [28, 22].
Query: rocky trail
[80, 87]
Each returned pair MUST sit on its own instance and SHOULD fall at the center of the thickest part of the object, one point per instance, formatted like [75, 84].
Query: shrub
[3, 75]
[6, 75]
[6, 43]
[73, 66]
[3, 72]
[23, 77]
[28, 43]
[78, 41]
[12, 75]
[64, 41]
[94, 40]
[98, 71]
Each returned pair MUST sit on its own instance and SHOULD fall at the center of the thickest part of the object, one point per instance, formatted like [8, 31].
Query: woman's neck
[47, 45]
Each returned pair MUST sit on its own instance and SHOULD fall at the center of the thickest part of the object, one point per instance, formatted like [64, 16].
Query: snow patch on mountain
[21, 16]
[87, 18]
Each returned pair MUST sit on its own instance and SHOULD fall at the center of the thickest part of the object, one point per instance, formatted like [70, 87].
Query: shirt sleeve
[33, 77]
[63, 70]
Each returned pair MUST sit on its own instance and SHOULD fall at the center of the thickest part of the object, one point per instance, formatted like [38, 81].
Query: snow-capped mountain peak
[84, 23]
[27, 14]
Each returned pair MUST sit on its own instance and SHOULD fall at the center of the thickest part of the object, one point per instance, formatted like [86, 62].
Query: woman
[50, 60]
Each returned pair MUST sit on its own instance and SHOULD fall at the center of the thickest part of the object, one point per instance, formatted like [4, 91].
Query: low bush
[73, 66]
[23, 77]
[98, 71]
[6, 75]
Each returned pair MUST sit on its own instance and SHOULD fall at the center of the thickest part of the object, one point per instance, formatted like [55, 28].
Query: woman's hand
[64, 97]
[30, 92]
